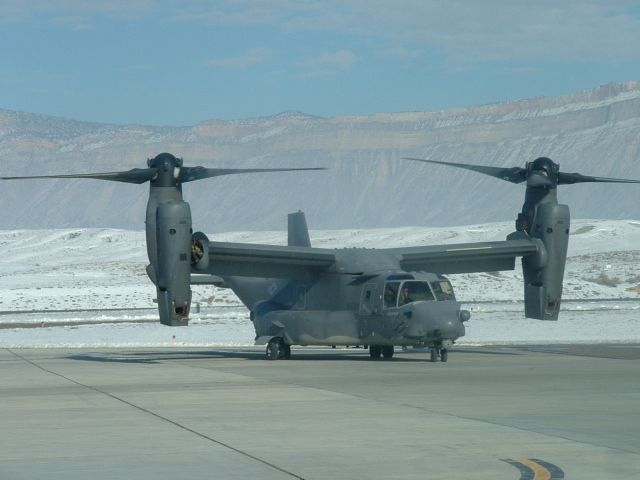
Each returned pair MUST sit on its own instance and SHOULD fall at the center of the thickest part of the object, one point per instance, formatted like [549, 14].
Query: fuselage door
[367, 299]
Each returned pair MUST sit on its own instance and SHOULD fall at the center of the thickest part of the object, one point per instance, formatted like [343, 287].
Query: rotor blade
[569, 178]
[136, 175]
[189, 174]
[513, 174]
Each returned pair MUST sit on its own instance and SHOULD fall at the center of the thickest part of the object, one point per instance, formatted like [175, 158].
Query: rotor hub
[542, 173]
[164, 161]
[168, 169]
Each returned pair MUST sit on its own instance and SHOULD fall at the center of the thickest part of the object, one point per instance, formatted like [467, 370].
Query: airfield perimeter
[489, 413]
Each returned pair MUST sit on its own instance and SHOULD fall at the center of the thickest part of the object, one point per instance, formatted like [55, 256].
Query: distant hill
[594, 132]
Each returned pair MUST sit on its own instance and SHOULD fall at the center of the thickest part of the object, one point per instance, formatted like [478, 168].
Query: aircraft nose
[435, 321]
[447, 329]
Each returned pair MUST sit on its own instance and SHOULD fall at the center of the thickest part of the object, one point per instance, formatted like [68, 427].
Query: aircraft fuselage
[354, 306]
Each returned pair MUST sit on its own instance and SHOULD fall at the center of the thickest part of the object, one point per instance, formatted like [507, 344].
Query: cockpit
[399, 293]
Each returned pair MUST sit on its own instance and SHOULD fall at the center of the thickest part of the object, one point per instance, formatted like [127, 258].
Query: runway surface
[545, 412]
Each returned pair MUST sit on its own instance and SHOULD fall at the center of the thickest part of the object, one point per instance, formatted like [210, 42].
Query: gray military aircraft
[300, 295]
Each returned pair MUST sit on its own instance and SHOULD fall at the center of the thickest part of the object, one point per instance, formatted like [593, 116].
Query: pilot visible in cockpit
[405, 296]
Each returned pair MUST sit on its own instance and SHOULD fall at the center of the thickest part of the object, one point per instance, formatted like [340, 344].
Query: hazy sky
[181, 62]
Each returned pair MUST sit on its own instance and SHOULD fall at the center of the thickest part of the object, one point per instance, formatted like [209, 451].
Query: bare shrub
[606, 280]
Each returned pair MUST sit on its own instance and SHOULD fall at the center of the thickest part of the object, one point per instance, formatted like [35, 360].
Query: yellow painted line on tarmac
[539, 472]
[534, 469]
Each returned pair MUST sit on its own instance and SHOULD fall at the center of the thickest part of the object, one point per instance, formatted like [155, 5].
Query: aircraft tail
[298, 232]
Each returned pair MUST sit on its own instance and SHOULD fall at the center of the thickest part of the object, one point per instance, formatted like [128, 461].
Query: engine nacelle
[173, 273]
[544, 272]
[199, 251]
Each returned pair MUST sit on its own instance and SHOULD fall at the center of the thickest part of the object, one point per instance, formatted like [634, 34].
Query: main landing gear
[277, 349]
[376, 350]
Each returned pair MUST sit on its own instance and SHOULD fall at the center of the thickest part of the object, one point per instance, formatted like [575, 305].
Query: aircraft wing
[269, 261]
[465, 257]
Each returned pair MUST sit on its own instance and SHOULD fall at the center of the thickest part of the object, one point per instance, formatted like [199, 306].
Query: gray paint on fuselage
[329, 308]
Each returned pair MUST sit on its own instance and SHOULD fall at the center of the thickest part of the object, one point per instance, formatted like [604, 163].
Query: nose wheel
[441, 353]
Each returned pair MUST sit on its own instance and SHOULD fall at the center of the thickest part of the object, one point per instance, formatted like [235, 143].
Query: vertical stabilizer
[298, 231]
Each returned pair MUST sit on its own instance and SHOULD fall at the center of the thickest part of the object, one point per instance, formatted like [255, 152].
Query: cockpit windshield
[396, 295]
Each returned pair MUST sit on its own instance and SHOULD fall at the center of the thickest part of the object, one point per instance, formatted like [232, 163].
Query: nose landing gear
[439, 352]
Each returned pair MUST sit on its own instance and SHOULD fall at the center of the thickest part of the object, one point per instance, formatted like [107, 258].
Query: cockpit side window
[443, 289]
[391, 294]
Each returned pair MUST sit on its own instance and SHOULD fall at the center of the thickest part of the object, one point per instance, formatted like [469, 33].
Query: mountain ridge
[612, 92]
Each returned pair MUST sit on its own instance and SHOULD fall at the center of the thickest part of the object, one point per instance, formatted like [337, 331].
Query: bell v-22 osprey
[300, 295]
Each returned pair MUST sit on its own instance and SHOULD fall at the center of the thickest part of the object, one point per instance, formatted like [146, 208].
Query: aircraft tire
[444, 354]
[286, 351]
[434, 354]
[274, 349]
[387, 351]
[375, 351]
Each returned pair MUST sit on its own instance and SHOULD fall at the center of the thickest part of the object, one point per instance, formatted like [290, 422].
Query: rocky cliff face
[367, 185]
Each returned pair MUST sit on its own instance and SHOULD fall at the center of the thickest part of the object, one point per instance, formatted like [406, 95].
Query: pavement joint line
[158, 416]
[550, 350]
[424, 409]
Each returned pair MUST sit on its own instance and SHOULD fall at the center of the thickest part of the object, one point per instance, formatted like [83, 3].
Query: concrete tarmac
[489, 413]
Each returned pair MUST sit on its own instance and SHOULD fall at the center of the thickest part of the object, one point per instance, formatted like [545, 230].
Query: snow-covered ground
[99, 274]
